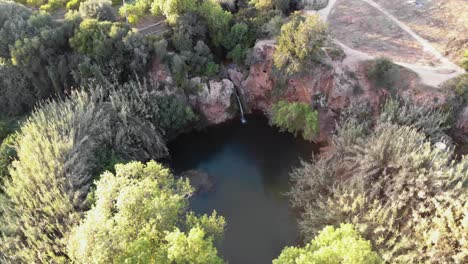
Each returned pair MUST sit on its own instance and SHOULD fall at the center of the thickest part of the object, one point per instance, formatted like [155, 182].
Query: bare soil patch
[360, 26]
[444, 23]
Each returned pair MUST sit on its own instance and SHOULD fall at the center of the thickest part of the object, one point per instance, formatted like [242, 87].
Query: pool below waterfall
[249, 165]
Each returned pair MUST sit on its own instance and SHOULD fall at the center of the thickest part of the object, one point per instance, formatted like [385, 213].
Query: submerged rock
[199, 180]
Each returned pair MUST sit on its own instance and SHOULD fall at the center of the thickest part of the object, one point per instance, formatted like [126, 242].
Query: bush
[402, 193]
[383, 73]
[273, 27]
[140, 210]
[98, 9]
[57, 159]
[282, 5]
[74, 4]
[188, 29]
[296, 118]
[300, 45]
[342, 245]
[36, 58]
[464, 62]
[461, 88]
[217, 20]
[432, 122]
[110, 49]
[54, 157]
[7, 154]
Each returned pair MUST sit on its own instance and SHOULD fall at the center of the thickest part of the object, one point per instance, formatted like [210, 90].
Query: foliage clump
[341, 245]
[464, 61]
[57, 150]
[282, 5]
[7, 155]
[383, 73]
[296, 118]
[97, 9]
[300, 44]
[404, 194]
[137, 218]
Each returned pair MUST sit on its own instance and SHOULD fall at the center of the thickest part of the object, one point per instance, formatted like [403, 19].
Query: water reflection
[250, 164]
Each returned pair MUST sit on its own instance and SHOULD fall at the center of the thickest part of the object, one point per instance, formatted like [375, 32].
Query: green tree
[169, 8]
[57, 157]
[110, 49]
[237, 42]
[296, 118]
[97, 9]
[217, 19]
[300, 44]
[383, 72]
[464, 61]
[282, 5]
[7, 154]
[402, 192]
[137, 218]
[343, 245]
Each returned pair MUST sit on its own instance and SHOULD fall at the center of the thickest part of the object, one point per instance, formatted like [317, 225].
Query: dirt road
[433, 76]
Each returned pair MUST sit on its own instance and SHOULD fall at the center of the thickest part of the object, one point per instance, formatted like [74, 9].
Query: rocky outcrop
[334, 81]
[331, 82]
[213, 100]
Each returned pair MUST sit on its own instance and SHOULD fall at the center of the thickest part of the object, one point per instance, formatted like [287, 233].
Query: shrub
[171, 9]
[342, 245]
[188, 29]
[138, 210]
[217, 20]
[228, 5]
[55, 152]
[461, 88]
[401, 192]
[273, 27]
[296, 118]
[53, 5]
[110, 49]
[300, 45]
[464, 62]
[383, 73]
[7, 154]
[98, 9]
[282, 5]
[237, 42]
[433, 122]
[74, 4]
[36, 59]
[57, 158]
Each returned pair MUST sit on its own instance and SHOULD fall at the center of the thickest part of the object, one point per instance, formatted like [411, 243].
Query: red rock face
[340, 85]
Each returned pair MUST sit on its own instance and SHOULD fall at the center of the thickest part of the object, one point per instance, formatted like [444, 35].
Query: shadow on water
[250, 165]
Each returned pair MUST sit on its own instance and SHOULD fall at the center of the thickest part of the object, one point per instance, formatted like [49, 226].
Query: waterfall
[243, 120]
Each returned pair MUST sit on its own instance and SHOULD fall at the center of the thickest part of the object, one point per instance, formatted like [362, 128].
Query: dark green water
[250, 165]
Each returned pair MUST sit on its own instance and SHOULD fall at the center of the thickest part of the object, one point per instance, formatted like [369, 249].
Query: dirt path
[432, 76]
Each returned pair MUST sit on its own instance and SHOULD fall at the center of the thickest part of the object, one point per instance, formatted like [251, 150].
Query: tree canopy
[300, 44]
[343, 245]
[137, 218]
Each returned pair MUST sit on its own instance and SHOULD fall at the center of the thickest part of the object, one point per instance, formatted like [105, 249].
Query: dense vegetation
[57, 151]
[403, 193]
[296, 118]
[300, 45]
[137, 218]
[390, 191]
[342, 245]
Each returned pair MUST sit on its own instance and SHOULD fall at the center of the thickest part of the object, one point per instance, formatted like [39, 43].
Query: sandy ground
[365, 30]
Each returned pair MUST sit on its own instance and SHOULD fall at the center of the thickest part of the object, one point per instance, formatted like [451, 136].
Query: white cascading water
[243, 120]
